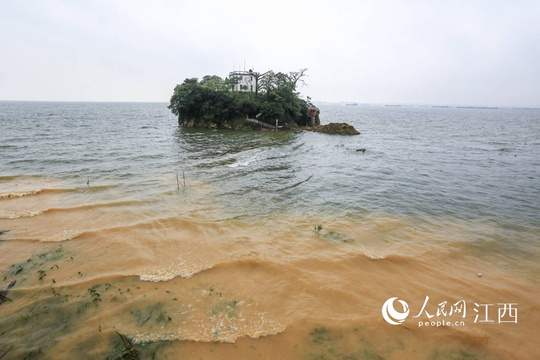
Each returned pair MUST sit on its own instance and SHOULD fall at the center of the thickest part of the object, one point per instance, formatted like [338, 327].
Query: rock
[335, 129]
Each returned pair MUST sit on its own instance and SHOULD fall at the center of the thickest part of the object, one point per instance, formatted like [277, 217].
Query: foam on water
[16, 214]
[221, 327]
[64, 235]
[372, 256]
[182, 269]
[16, 194]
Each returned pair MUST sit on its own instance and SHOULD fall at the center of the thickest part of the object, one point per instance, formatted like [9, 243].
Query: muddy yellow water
[180, 280]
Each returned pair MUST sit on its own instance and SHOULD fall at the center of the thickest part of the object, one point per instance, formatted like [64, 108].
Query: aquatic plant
[225, 307]
[42, 274]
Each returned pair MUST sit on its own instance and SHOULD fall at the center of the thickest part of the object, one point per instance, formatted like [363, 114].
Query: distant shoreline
[390, 105]
[318, 103]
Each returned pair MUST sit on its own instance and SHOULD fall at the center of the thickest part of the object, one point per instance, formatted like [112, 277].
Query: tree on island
[212, 101]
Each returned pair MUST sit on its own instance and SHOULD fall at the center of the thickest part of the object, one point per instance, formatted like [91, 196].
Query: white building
[247, 80]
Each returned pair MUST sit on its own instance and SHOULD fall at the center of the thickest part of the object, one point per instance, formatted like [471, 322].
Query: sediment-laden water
[216, 244]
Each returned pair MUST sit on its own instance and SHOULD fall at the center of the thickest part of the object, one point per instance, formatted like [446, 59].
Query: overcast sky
[426, 52]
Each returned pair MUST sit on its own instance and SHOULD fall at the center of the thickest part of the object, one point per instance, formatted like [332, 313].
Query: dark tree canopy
[213, 101]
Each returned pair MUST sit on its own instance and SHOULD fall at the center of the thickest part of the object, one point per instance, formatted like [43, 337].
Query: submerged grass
[37, 326]
[36, 264]
[332, 344]
[154, 313]
[34, 330]
[225, 307]
[334, 236]
[326, 344]
[456, 354]
[124, 349]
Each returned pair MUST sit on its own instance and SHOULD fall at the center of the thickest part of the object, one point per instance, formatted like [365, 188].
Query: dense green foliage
[212, 100]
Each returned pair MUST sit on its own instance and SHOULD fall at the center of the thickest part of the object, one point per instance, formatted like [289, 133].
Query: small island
[246, 100]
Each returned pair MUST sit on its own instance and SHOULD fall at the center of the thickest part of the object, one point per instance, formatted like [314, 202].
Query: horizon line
[396, 104]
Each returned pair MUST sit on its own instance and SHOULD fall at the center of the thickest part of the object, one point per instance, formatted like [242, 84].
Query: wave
[182, 269]
[244, 161]
[19, 194]
[372, 256]
[102, 232]
[221, 328]
[173, 223]
[16, 214]
[9, 177]
[241, 163]
[297, 184]
[186, 270]
[63, 236]
[16, 194]
[94, 206]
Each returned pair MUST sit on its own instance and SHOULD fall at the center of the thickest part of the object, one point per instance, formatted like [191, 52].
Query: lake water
[200, 243]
